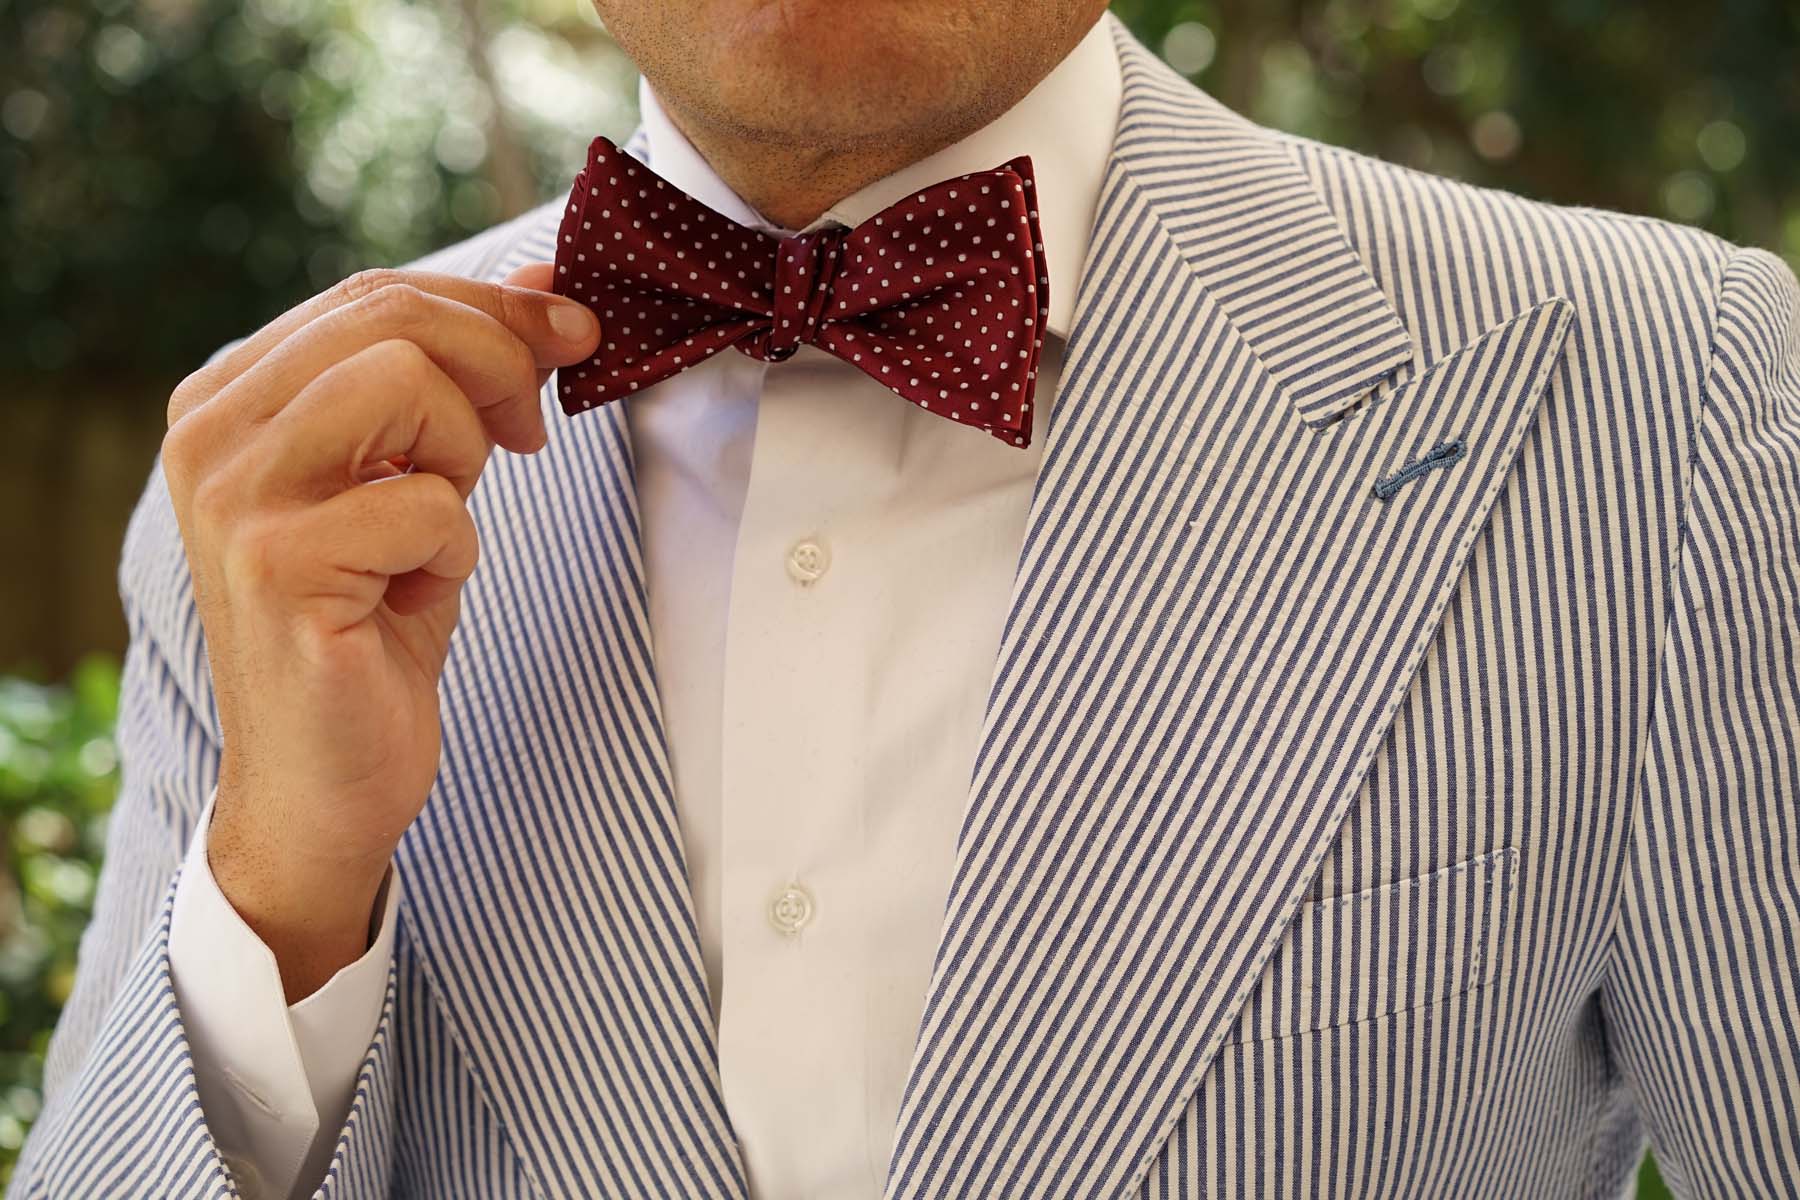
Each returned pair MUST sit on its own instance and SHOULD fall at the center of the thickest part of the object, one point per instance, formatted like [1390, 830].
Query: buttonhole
[250, 1093]
[1440, 455]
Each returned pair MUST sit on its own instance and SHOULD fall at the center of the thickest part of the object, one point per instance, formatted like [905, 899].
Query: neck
[792, 184]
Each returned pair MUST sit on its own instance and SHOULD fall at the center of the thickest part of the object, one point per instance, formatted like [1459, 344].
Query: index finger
[558, 331]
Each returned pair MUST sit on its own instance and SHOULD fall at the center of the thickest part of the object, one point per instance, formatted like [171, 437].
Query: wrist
[315, 911]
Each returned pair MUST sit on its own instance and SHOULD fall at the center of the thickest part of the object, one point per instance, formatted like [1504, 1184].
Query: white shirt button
[791, 909]
[807, 561]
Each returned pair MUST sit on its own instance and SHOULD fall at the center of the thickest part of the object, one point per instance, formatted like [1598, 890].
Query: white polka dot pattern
[940, 297]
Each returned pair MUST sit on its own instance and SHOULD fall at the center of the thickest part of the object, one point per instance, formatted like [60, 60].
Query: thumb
[539, 277]
[532, 275]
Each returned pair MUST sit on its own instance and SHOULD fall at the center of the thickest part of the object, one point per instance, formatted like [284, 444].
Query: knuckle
[439, 495]
[398, 302]
[466, 539]
[186, 446]
[400, 362]
[320, 644]
[178, 445]
[521, 368]
[441, 506]
[188, 395]
[367, 283]
[213, 501]
[472, 539]
[519, 310]
[254, 553]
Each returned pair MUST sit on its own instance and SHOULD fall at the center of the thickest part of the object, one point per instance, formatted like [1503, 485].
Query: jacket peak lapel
[1249, 225]
[1214, 620]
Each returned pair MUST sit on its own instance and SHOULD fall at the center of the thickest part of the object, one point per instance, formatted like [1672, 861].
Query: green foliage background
[174, 172]
[58, 774]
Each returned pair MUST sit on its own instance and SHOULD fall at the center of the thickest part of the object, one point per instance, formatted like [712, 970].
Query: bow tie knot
[805, 267]
[940, 298]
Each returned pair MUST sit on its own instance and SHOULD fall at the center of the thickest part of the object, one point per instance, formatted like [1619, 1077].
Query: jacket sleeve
[276, 1080]
[1702, 995]
[122, 1113]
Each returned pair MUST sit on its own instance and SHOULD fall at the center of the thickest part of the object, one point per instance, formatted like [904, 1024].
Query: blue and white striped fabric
[1320, 844]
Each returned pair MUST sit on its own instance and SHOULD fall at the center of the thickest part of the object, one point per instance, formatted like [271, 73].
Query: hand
[319, 473]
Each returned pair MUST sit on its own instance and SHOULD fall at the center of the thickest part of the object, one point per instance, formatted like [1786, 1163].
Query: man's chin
[835, 100]
[798, 23]
[842, 75]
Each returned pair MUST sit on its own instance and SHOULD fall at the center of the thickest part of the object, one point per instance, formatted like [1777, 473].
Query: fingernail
[572, 322]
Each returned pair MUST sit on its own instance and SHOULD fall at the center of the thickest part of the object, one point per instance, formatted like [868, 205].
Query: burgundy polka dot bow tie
[940, 297]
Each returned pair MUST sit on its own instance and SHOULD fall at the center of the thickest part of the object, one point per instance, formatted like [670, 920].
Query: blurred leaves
[174, 172]
[1689, 112]
[58, 776]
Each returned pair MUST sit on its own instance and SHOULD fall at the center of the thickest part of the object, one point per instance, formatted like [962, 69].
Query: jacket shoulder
[1541, 232]
[1456, 258]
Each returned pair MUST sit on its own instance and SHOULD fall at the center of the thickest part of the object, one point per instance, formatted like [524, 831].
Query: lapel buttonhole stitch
[1440, 455]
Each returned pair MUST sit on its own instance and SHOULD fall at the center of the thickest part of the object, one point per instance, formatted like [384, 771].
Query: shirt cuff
[271, 1077]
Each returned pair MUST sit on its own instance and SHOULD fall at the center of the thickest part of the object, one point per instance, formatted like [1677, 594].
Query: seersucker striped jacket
[1390, 784]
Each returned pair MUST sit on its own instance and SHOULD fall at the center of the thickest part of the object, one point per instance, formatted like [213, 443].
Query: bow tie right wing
[942, 298]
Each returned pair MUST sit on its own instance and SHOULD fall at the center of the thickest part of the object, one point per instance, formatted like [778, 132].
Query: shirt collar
[1066, 124]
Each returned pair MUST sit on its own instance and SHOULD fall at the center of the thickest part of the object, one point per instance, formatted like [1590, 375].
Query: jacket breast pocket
[1384, 951]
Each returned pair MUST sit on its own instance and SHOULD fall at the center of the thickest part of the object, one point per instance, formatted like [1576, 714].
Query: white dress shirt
[828, 569]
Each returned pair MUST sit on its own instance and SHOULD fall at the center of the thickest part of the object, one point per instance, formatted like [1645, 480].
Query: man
[1350, 747]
